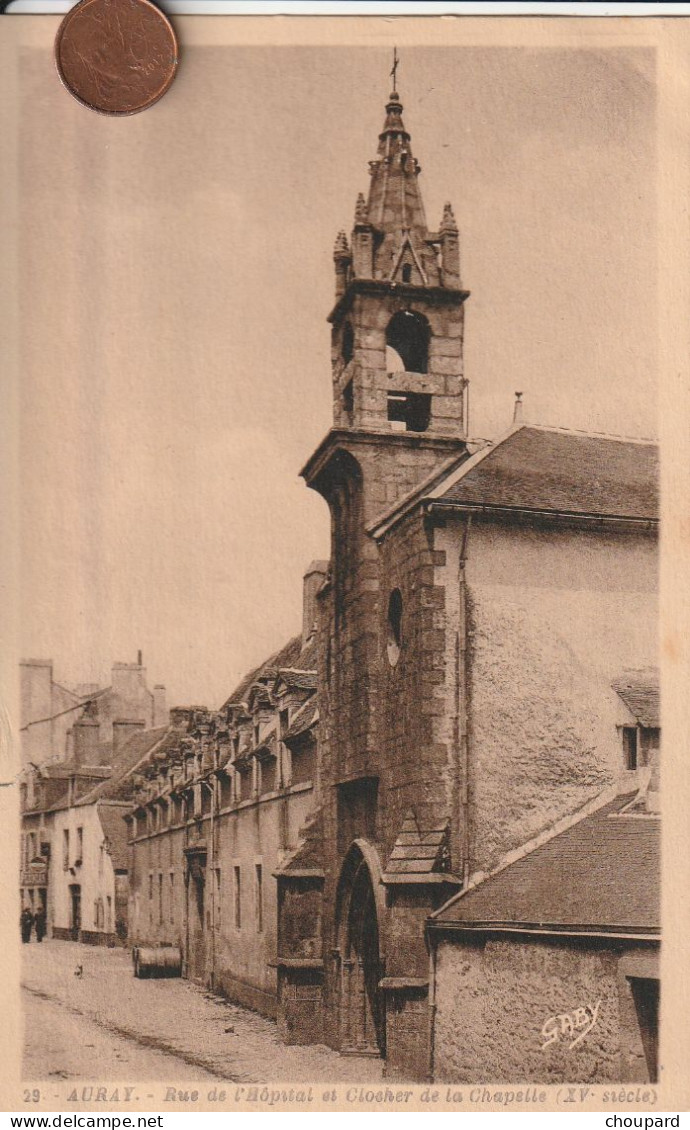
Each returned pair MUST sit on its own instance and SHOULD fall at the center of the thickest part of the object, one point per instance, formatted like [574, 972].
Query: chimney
[160, 713]
[128, 684]
[123, 728]
[85, 737]
[313, 580]
[36, 702]
[517, 411]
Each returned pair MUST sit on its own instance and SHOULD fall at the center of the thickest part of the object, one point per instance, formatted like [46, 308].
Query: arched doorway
[361, 1004]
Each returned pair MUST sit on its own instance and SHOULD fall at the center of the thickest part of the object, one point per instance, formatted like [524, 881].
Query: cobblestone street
[106, 1024]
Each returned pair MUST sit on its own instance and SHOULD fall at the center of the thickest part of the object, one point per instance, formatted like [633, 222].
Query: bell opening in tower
[407, 342]
[409, 411]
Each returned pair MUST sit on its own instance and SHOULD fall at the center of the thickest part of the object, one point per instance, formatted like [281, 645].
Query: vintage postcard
[344, 714]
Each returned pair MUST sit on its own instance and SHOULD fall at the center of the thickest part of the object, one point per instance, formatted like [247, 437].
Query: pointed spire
[394, 208]
[448, 222]
[341, 249]
[394, 123]
[361, 210]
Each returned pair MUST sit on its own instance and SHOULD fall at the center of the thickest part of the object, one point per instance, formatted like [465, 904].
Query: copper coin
[116, 56]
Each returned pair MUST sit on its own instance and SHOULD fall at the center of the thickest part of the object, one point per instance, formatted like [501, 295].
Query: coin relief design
[116, 56]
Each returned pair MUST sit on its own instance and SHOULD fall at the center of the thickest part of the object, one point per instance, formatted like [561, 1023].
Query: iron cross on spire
[394, 68]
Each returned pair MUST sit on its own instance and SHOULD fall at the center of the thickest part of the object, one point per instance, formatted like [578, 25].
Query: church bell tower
[398, 319]
[397, 331]
[398, 420]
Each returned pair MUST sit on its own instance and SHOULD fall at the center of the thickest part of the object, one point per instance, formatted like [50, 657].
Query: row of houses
[73, 852]
[427, 829]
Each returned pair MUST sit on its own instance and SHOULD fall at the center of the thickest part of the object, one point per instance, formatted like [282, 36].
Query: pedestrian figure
[26, 921]
[40, 923]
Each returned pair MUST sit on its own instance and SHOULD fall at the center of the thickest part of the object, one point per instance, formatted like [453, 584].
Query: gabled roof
[566, 472]
[287, 655]
[301, 680]
[115, 831]
[639, 690]
[303, 720]
[602, 874]
[418, 851]
[119, 784]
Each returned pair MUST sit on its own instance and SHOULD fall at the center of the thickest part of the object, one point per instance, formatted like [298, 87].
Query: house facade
[218, 810]
[73, 855]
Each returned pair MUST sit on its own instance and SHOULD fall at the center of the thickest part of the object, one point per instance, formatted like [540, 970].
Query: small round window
[394, 643]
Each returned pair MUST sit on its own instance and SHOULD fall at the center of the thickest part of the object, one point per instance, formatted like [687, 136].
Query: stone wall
[496, 1004]
[236, 956]
[554, 617]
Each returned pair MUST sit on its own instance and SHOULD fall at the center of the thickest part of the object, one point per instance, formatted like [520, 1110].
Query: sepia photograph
[337, 747]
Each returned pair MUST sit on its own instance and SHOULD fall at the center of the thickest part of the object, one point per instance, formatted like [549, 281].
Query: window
[269, 775]
[394, 643]
[160, 900]
[407, 272]
[80, 844]
[650, 741]
[245, 783]
[238, 900]
[645, 993]
[409, 411]
[259, 897]
[65, 848]
[303, 761]
[219, 905]
[226, 792]
[630, 746]
[348, 343]
[109, 914]
[171, 903]
[349, 401]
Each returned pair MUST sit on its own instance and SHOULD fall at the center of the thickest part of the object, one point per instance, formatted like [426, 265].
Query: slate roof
[602, 874]
[302, 680]
[640, 693]
[115, 830]
[303, 720]
[548, 469]
[418, 851]
[119, 785]
[286, 657]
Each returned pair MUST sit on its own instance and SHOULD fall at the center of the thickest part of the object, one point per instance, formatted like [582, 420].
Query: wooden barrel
[157, 961]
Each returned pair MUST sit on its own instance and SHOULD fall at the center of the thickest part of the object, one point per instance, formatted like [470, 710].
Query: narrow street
[106, 1024]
